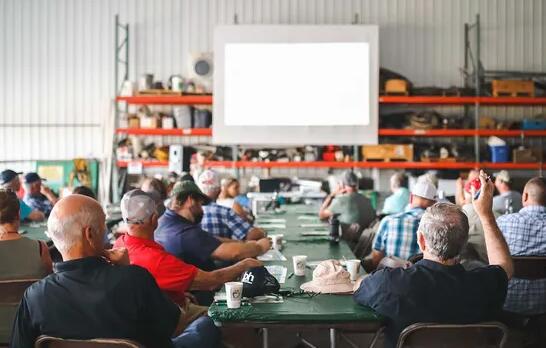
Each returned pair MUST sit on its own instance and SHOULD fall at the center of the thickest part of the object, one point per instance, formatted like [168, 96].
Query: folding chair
[11, 292]
[351, 234]
[483, 335]
[55, 342]
[529, 267]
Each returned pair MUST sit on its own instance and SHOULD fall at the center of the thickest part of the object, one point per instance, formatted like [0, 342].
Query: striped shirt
[525, 233]
[397, 234]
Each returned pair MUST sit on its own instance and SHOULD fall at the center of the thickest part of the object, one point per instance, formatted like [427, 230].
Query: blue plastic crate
[500, 153]
[533, 124]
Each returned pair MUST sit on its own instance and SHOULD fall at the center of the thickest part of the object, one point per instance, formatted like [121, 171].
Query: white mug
[353, 267]
[300, 261]
[234, 293]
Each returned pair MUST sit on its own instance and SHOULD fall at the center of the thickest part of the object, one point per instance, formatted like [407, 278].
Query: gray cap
[349, 178]
[137, 207]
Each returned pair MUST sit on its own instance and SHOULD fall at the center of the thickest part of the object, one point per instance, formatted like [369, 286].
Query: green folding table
[325, 311]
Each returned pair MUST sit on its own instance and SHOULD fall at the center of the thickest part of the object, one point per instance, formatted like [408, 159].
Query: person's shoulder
[487, 274]
[510, 218]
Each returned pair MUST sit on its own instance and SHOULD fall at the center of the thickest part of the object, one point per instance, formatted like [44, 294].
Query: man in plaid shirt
[221, 221]
[397, 233]
[525, 233]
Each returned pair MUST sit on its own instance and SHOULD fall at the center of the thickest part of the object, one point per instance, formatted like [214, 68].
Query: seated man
[9, 180]
[37, 195]
[437, 288]
[173, 275]
[221, 221]
[525, 233]
[508, 201]
[94, 293]
[180, 233]
[397, 202]
[397, 234]
[351, 206]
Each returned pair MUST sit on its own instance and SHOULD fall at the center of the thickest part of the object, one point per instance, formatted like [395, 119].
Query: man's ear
[88, 236]
[524, 197]
[411, 198]
[421, 241]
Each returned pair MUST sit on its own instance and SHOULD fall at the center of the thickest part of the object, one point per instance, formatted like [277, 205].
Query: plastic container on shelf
[500, 153]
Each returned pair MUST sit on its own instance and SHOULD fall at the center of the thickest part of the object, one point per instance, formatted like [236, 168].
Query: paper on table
[270, 220]
[308, 218]
[315, 233]
[279, 226]
[278, 272]
[272, 255]
[314, 225]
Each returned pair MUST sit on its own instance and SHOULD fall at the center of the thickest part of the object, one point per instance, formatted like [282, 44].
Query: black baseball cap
[7, 176]
[32, 177]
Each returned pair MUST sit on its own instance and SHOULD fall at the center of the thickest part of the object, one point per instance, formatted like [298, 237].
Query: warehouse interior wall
[57, 56]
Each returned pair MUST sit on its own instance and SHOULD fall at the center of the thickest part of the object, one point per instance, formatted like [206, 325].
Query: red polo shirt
[172, 275]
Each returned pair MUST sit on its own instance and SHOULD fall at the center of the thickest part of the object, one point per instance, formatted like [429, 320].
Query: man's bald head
[534, 192]
[77, 222]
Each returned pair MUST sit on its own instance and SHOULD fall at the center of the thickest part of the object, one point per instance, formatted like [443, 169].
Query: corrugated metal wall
[56, 56]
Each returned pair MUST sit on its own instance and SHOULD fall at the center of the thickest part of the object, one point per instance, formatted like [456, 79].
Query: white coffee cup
[234, 293]
[276, 241]
[353, 267]
[300, 261]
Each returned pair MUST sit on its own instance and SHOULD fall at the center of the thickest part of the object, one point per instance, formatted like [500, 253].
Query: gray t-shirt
[500, 202]
[353, 208]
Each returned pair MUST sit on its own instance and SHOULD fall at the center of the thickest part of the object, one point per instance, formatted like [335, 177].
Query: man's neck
[430, 257]
[186, 214]
[140, 233]
[504, 190]
[77, 253]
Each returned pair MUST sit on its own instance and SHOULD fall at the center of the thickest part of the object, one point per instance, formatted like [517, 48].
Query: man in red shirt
[173, 276]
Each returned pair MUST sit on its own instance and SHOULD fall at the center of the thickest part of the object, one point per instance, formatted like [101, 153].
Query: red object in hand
[476, 183]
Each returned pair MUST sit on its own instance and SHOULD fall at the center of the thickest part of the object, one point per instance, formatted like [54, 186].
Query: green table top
[35, 230]
[324, 308]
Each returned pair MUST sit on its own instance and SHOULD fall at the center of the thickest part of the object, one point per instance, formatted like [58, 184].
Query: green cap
[189, 187]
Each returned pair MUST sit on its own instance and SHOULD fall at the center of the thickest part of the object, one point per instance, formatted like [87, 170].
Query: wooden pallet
[438, 159]
[388, 153]
[513, 88]
[159, 92]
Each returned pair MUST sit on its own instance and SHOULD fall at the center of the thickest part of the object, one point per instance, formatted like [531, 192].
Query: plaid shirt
[525, 233]
[39, 202]
[397, 234]
[224, 222]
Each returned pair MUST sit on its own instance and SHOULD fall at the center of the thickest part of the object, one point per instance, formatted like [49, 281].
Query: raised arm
[497, 249]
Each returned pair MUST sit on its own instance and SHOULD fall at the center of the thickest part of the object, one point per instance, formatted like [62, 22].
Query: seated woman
[20, 257]
[230, 189]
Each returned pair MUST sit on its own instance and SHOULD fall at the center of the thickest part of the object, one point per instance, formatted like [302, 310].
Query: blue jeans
[200, 333]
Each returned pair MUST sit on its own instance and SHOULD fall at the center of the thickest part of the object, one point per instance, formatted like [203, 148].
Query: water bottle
[334, 229]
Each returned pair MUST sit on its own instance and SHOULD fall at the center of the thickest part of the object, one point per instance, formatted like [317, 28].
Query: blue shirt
[396, 202]
[223, 222]
[39, 202]
[397, 234]
[24, 210]
[431, 292]
[190, 243]
[525, 234]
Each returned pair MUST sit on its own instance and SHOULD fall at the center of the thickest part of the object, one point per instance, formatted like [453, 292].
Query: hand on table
[264, 244]
[250, 263]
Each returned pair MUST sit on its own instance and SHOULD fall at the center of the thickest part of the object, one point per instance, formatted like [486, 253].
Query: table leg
[332, 338]
[265, 338]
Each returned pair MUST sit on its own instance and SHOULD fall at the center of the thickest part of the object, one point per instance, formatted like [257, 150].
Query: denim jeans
[200, 333]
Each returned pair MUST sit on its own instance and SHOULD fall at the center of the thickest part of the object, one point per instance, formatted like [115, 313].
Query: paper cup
[300, 261]
[234, 293]
[276, 241]
[353, 267]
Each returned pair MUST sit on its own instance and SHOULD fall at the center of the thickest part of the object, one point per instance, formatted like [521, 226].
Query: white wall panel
[56, 56]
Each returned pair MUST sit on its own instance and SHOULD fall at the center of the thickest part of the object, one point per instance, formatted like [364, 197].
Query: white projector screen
[294, 85]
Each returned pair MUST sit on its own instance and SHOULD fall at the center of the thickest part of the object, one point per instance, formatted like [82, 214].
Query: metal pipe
[332, 338]
[265, 338]
[478, 92]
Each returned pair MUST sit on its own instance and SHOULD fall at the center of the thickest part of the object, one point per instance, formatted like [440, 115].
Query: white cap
[503, 175]
[208, 181]
[424, 189]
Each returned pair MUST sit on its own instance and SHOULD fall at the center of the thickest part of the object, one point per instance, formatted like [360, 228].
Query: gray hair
[397, 180]
[445, 228]
[65, 231]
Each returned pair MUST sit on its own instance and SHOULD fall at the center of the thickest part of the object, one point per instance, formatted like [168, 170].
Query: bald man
[525, 233]
[94, 293]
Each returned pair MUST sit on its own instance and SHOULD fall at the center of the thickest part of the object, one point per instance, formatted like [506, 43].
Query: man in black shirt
[438, 289]
[94, 293]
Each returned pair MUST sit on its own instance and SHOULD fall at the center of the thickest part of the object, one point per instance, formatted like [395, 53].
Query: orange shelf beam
[461, 132]
[168, 99]
[166, 132]
[439, 100]
[124, 164]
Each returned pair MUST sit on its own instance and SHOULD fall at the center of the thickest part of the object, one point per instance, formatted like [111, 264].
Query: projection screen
[294, 85]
